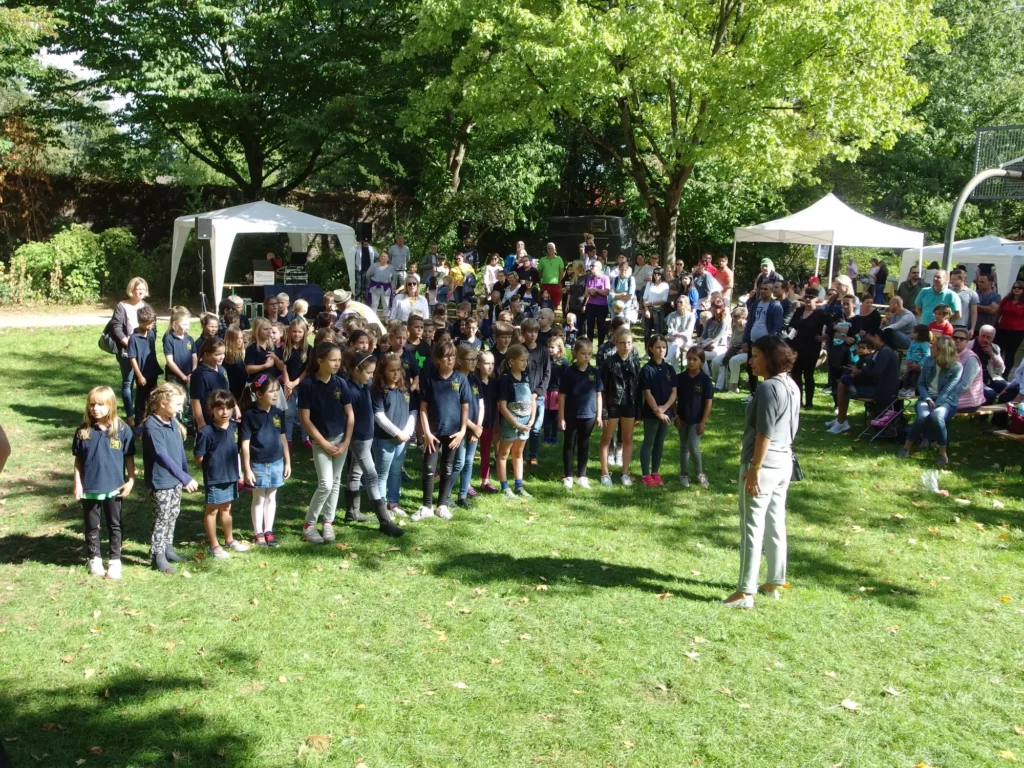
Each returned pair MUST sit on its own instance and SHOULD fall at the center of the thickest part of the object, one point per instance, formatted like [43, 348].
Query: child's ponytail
[255, 389]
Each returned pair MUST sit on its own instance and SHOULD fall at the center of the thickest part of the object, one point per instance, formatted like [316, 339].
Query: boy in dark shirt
[539, 373]
[142, 354]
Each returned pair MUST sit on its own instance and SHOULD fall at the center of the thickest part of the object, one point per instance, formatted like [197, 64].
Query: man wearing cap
[398, 255]
[405, 305]
[552, 269]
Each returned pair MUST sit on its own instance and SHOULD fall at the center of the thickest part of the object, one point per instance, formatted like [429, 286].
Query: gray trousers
[655, 432]
[763, 524]
[689, 446]
[328, 482]
[363, 471]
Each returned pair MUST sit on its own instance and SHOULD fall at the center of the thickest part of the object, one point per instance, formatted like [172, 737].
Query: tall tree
[753, 87]
[265, 93]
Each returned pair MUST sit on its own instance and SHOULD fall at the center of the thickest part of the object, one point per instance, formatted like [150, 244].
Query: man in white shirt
[398, 254]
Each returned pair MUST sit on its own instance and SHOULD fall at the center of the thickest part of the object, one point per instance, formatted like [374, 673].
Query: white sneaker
[114, 570]
[96, 566]
[606, 481]
[830, 424]
[310, 534]
[838, 429]
[220, 553]
[328, 534]
[443, 512]
[684, 480]
[703, 480]
[627, 481]
[583, 483]
[422, 514]
[567, 483]
[240, 546]
[398, 512]
[747, 399]
[746, 603]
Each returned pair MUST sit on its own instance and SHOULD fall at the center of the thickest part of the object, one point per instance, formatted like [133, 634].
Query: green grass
[568, 620]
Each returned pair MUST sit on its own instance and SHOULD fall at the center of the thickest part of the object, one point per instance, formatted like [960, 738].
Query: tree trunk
[666, 215]
[457, 153]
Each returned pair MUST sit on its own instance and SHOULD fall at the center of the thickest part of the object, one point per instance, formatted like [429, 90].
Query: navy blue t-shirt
[218, 448]
[237, 377]
[325, 401]
[163, 437]
[263, 430]
[692, 392]
[180, 351]
[394, 404]
[143, 350]
[580, 389]
[204, 381]
[103, 457]
[257, 355]
[444, 399]
[362, 410]
[660, 379]
[293, 363]
[476, 393]
[489, 391]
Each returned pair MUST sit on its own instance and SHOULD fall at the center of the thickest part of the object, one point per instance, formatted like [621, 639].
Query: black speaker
[464, 227]
[364, 231]
[204, 229]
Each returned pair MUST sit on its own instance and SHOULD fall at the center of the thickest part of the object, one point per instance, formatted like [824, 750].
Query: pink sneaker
[657, 479]
[649, 481]
[307, 443]
[488, 488]
[472, 494]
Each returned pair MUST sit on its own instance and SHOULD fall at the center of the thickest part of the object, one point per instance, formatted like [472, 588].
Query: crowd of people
[500, 376]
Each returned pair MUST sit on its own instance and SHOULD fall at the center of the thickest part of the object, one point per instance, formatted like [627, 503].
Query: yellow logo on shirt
[668, 375]
[590, 377]
[476, 390]
[337, 394]
[188, 345]
[406, 395]
[455, 386]
[277, 422]
[115, 444]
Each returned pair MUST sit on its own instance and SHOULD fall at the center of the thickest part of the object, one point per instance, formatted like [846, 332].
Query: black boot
[352, 499]
[387, 525]
[160, 563]
[173, 557]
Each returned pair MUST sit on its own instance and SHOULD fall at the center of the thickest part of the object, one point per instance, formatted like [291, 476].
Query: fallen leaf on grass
[1006, 599]
[254, 602]
[628, 744]
[525, 637]
[89, 673]
[97, 614]
[67, 659]
[318, 742]
[692, 655]
[893, 629]
[175, 754]
[725, 691]
[131, 612]
[1019, 730]
[460, 686]
[170, 645]
[92, 630]
[850, 704]
[698, 639]
[891, 691]
[664, 594]
[95, 750]
[606, 567]
[1008, 755]
[282, 679]
[997, 504]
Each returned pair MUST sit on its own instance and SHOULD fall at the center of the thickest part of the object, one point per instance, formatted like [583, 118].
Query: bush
[330, 272]
[68, 268]
[123, 259]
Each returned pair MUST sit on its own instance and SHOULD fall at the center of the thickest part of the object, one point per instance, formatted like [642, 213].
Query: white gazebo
[1005, 256]
[828, 222]
[260, 217]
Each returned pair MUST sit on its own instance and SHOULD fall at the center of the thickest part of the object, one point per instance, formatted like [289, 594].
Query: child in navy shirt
[466, 452]
[208, 377]
[556, 352]
[325, 410]
[488, 384]
[216, 451]
[266, 457]
[658, 393]
[104, 451]
[163, 456]
[444, 412]
[579, 410]
[142, 355]
[517, 407]
[179, 350]
[394, 425]
[693, 407]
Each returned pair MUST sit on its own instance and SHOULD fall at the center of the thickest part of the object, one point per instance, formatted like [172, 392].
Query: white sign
[263, 278]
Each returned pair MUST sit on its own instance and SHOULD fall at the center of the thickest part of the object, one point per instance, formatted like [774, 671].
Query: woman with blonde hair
[938, 388]
[121, 326]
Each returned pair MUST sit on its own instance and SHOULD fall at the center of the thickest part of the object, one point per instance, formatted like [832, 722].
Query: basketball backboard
[999, 147]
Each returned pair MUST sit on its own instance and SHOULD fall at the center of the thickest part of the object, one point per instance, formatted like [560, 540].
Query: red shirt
[946, 329]
[1011, 315]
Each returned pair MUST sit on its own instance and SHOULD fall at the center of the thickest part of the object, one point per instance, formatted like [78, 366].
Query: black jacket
[621, 380]
[538, 370]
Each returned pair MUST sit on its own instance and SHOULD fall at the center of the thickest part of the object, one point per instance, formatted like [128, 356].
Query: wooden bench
[1008, 435]
[984, 410]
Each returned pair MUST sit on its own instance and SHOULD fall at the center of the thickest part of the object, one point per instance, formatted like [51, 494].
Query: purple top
[601, 283]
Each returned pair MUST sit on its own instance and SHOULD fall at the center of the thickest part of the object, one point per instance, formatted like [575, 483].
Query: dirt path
[58, 316]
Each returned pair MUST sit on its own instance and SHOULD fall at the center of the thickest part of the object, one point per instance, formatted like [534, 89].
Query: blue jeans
[389, 456]
[536, 430]
[879, 293]
[463, 469]
[930, 423]
[127, 379]
[896, 339]
[291, 417]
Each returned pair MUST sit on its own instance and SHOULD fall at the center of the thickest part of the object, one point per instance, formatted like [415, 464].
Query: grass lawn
[574, 630]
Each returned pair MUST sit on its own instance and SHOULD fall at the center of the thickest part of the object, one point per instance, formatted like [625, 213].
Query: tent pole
[831, 253]
[817, 261]
[734, 258]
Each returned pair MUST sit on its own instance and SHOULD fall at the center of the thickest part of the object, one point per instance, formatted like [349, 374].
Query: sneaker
[648, 480]
[219, 553]
[830, 424]
[422, 514]
[703, 480]
[508, 493]
[307, 443]
[96, 566]
[114, 570]
[908, 394]
[328, 534]
[271, 540]
[627, 481]
[567, 483]
[533, 462]
[463, 503]
[397, 511]
[606, 481]
[488, 488]
[903, 453]
[260, 539]
[310, 534]
[523, 493]
[238, 546]
[472, 494]
[443, 512]
[747, 399]
[684, 480]
[838, 429]
[827, 391]
[657, 480]
[941, 461]
[583, 483]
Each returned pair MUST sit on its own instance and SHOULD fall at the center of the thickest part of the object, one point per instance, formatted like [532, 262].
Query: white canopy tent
[828, 222]
[1006, 257]
[259, 217]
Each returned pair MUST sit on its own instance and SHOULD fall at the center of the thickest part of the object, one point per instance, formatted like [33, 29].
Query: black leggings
[447, 465]
[577, 431]
[803, 375]
[111, 509]
[596, 320]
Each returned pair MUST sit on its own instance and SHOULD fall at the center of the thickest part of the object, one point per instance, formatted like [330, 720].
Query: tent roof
[830, 222]
[989, 245]
[262, 216]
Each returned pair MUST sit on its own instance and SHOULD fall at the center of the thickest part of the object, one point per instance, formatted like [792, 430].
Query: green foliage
[68, 268]
[329, 271]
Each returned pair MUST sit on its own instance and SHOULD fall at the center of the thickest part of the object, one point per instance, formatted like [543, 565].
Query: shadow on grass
[116, 722]
[63, 549]
[64, 419]
[485, 567]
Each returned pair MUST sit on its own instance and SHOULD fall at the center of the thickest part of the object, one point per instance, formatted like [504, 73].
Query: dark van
[611, 232]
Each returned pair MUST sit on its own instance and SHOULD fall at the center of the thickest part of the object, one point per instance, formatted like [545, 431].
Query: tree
[754, 88]
[266, 93]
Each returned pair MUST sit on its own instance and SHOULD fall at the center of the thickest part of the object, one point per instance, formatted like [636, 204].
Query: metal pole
[734, 258]
[831, 254]
[954, 216]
